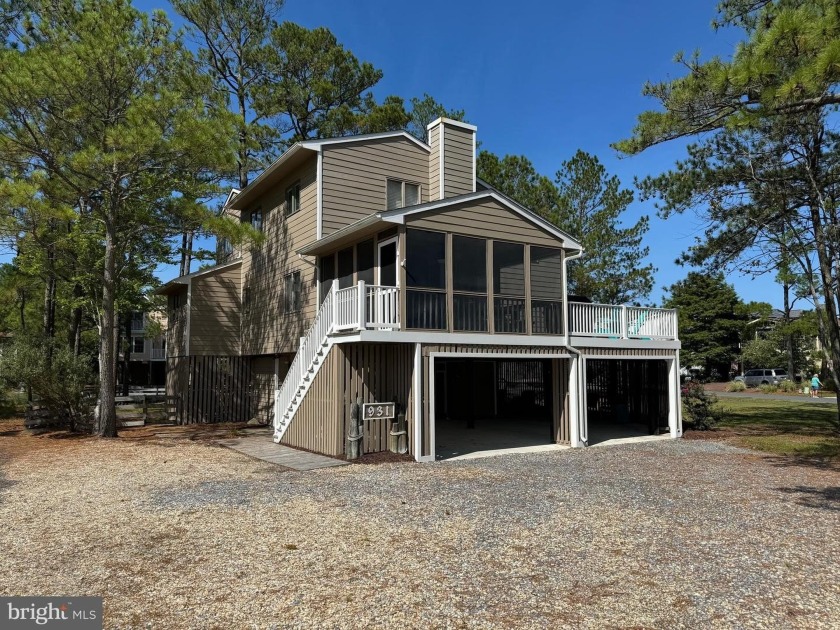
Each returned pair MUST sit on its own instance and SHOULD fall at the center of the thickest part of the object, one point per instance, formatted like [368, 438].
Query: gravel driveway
[681, 534]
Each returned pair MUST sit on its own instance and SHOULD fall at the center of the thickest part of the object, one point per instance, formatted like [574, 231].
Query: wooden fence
[208, 389]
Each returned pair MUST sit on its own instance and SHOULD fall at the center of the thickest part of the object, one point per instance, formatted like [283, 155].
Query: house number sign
[379, 411]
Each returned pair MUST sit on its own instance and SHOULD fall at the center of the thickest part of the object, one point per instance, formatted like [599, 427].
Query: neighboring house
[390, 273]
[147, 356]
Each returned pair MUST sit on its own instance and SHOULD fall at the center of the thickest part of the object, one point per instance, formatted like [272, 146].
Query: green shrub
[789, 387]
[699, 407]
[766, 388]
[56, 376]
[736, 386]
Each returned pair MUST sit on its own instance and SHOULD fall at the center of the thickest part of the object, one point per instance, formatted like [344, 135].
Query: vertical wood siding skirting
[375, 372]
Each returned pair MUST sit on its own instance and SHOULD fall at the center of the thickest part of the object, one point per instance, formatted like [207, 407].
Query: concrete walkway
[805, 399]
[258, 444]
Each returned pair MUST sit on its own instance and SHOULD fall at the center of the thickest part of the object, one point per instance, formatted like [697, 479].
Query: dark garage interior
[626, 398]
[485, 404]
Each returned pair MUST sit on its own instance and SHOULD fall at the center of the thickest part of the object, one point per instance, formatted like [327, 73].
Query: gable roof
[568, 241]
[299, 150]
[375, 222]
[185, 280]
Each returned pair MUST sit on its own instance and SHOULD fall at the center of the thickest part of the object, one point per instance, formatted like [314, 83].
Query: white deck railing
[379, 309]
[621, 322]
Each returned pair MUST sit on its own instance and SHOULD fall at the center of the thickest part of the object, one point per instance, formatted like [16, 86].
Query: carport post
[674, 398]
[575, 374]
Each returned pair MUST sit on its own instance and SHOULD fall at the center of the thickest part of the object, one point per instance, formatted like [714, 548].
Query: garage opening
[491, 404]
[626, 398]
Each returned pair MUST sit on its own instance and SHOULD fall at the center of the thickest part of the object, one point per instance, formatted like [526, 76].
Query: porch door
[386, 296]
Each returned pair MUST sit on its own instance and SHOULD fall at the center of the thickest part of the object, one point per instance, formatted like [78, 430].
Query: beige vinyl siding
[458, 174]
[214, 313]
[434, 163]
[485, 219]
[265, 327]
[355, 177]
[262, 388]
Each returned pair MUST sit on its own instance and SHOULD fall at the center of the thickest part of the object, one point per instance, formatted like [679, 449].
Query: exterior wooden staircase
[314, 348]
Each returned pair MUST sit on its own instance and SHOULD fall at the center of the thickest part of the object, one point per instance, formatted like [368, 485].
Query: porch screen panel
[546, 291]
[326, 273]
[425, 267]
[345, 268]
[364, 261]
[509, 287]
[469, 284]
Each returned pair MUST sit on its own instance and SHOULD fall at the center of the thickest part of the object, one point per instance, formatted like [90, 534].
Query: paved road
[805, 399]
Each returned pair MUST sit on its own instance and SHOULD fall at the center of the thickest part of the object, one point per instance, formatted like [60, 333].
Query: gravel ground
[185, 534]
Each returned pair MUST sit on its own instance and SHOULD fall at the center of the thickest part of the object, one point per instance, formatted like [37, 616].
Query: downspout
[580, 394]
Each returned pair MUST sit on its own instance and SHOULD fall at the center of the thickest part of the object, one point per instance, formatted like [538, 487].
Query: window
[138, 345]
[257, 219]
[345, 268]
[402, 194]
[425, 269]
[225, 249]
[291, 293]
[469, 284]
[546, 291]
[509, 287]
[293, 199]
[137, 322]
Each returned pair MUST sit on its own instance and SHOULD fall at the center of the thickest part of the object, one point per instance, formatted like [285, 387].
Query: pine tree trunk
[243, 141]
[74, 337]
[106, 419]
[127, 354]
[788, 334]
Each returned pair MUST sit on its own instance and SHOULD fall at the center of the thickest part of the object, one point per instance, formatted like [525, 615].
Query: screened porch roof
[374, 223]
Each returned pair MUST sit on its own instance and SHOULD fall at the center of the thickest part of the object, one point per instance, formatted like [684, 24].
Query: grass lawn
[792, 428]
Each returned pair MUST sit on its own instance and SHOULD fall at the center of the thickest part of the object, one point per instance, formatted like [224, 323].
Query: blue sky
[541, 79]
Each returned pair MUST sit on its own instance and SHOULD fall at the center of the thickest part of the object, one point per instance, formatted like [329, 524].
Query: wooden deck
[259, 444]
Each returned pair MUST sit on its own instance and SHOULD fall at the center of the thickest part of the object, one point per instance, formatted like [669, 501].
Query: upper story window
[138, 345]
[257, 219]
[291, 292]
[402, 194]
[293, 198]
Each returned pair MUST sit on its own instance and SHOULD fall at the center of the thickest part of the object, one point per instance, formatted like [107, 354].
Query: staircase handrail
[315, 337]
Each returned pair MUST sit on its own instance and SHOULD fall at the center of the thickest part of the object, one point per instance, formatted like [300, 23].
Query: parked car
[754, 378]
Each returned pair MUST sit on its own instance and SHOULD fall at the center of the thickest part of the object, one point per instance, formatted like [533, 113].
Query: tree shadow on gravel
[5, 484]
[827, 498]
[792, 461]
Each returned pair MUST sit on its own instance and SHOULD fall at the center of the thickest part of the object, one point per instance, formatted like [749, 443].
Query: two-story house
[391, 273]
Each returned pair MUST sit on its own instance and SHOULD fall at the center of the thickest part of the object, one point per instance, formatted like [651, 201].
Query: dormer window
[257, 219]
[293, 199]
[402, 194]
